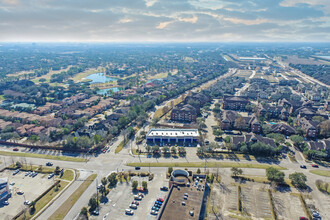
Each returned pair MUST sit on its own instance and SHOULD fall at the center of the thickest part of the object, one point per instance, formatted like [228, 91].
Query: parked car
[129, 212]
[137, 168]
[303, 218]
[135, 202]
[49, 164]
[157, 205]
[20, 192]
[133, 206]
[155, 208]
[34, 174]
[15, 149]
[164, 188]
[12, 183]
[27, 173]
[160, 200]
[141, 194]
[50, 175]
[16, 172]
[136, 197]
[95, 212]
[27, 202]
[303, 166]
[315, 165]
[153, 212]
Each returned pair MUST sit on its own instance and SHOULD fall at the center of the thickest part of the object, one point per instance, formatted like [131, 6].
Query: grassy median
[120, 147]
[208, 165]
[44, 156]
[321, 172]
[63, 210]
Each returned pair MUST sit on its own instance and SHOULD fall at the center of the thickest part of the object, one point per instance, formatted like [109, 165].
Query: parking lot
[122, 196]
[32, 187]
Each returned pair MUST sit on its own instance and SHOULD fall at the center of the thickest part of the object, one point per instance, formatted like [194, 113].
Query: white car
[133, 206]
[129, 212]
[27, 202]
[20, 192]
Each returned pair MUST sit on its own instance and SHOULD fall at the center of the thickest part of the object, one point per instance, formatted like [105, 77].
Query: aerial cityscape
[167, 110]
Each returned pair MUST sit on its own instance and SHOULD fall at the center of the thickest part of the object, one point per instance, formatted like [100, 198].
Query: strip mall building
[173, 135]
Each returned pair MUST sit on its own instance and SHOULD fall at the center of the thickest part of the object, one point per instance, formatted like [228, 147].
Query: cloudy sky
[165, 20]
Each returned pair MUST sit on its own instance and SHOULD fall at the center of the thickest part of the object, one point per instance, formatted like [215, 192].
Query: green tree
[274, 175]
[166, 149]
[298, 179]
[298, 141]
[145, 185]
[325, 128]
[134, 185]
[198, 171]
[155, 121]
[93, 204]
[84, 211]
[236, 171]
[112, 179]
[170, 170]
[148, 148]
[97, 139]
[279, 138]
[173, 150]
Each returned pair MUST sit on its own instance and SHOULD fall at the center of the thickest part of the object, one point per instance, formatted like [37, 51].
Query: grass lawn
[263, 179]
[27, 167]
[208, 164]
[63, 210]
[45, 200]
[68, 175]
[45, 156]
[321, 172]
[120, 147]
[78, 77]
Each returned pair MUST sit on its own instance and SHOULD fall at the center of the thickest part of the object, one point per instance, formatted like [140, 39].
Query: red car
[135, 202]
[315, 165]
[303, 218]
[15, 149]
[160, 200]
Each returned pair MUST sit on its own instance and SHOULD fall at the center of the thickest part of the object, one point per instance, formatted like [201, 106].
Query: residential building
[184, 113]
[283, 129]
[251, 139]
[311, 128]
[235, 102]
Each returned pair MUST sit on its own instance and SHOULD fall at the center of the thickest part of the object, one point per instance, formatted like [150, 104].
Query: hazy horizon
[110, 21]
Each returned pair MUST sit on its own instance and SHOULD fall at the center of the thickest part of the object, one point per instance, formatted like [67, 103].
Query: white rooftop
[159, 132]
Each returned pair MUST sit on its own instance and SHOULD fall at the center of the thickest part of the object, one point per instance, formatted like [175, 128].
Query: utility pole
[97, 195]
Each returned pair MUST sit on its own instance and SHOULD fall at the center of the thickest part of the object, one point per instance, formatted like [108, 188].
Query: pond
[105, 91]
[100, 78]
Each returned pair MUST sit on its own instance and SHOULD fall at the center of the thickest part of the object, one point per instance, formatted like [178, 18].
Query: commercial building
[173, 135]
[4, 189]
[187, 197]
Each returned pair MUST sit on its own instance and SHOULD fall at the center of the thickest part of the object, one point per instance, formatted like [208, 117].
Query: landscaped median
[63, 210]
[45, 156]
[208, 165]
[321, 172]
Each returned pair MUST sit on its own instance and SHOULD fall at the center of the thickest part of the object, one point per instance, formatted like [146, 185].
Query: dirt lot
[121, 197]
[31, 186]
